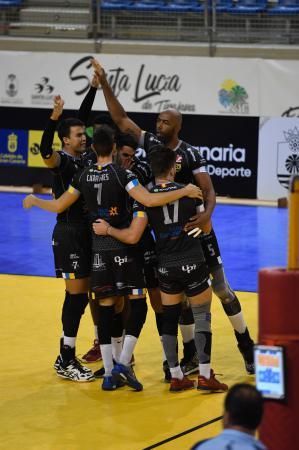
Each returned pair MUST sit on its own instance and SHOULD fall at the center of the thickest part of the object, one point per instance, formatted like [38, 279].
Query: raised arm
[130, 235]
[56, 205]
[50, 157]
[150, 200]
[87, 103]
[118, 114]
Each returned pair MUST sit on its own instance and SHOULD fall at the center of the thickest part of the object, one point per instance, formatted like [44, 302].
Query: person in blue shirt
[243, 411]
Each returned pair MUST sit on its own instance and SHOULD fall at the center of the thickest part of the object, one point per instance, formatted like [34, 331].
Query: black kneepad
[138, 311]
[171, 315]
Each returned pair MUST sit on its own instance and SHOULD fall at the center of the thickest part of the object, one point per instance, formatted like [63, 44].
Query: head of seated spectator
[243, 411]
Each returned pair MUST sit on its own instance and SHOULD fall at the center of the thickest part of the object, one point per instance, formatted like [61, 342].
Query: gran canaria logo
[288, 156]
[233, 97]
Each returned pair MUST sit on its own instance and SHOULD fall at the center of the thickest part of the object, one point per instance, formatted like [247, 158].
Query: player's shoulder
[185, 146]
[151, 138]
[192, 152]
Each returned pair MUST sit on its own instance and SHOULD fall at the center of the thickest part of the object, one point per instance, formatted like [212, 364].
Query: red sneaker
[177, 385]
[210, 384]
[94, 354]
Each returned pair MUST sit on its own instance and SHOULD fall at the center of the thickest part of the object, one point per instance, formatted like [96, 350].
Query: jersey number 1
[175, 218]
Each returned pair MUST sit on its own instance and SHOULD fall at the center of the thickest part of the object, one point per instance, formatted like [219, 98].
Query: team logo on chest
[178, 163]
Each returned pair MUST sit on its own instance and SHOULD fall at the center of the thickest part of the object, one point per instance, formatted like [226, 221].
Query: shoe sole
[72, 379]
[114, 388]
[181, 389]
[211, 390]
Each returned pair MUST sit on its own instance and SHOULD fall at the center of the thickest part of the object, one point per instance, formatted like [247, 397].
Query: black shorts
[211, 250]
[117, 272]
[147, 248]
[71, 243]
[192, 278]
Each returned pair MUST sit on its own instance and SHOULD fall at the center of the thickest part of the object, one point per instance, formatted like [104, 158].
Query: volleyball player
[181, 269]
[104, 186]
[190, 166]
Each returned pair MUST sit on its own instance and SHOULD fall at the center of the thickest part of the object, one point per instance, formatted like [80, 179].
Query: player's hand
[57, 108]
[98, 69]
[193, 191]
[100, 227]
[201, 221]
[95, 82]
[28, 201]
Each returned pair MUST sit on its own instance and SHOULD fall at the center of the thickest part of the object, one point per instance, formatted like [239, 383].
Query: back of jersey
[168, 223]
[104, 189]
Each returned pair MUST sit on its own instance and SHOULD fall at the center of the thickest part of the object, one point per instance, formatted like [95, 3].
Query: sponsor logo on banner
[291, 112]
[42, 92]
[34, 157]
[231, 156]
[13, 147]
[151, 89]
[288, 156]
[11, 90]
[233, 97]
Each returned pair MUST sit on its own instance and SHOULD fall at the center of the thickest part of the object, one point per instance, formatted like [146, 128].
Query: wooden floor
[43, 412]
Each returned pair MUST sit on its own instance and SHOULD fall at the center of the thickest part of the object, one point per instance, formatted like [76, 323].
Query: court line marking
[190, 430]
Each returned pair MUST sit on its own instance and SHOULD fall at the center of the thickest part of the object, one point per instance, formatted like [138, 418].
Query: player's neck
[164, 180]
[70, 151]
[102, 160]
[173, 143]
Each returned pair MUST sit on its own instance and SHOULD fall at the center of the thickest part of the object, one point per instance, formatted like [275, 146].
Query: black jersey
[63, 176]
[189, 161]
[143, 171]
[105, 190]
[168, 222]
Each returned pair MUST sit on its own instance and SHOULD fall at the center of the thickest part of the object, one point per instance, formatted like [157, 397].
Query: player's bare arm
[50, 157]
[150, 200]
[202, 219]
[118, 114]
[130, 235]
[56, 205]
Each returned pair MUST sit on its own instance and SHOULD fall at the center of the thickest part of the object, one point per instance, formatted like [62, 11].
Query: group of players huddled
[126, 226]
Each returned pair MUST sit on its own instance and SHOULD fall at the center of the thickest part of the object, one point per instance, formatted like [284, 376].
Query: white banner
[279, 88]
[278, 156]
[193, 85]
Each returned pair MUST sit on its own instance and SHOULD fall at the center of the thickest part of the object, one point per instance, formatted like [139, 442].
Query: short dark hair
[161, 159]
[65, 125]
[244, 404]
[103, 141]
[125, 139]
[103, 119]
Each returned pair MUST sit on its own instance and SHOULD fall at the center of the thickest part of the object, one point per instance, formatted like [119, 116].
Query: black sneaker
[167, 374]
[57, 362]
[74, 371]
[70, 368]
[245, 346]
[190, 366]
[99, 373]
